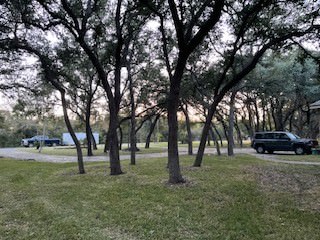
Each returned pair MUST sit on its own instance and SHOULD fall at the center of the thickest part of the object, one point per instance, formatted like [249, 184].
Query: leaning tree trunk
[214, 138]
[204, 135]
[94, 143]
[231, 124]
[72, 133]
[151, 130]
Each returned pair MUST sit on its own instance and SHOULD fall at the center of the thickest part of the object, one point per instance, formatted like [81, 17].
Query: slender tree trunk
[214, 138]
[239, 134]
[88, 128]
[257, 127]
[186, 114]
[208, 141]
[121, 138]
[231, 124]
[205, 131]
[72, 133]
[151, 130]
[106, 143]
[94, 143]
[219, 135]
[89, 142]
[133, 138]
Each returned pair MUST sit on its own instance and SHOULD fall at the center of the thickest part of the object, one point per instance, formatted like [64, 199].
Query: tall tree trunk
[219, 135]
[205, 131]
[88, 127]
[240, 142]
[89, 140]
[208, 141]
[115, 167]
[186, 114]
[257, 127]
[94, 143]
[133, 137]
[173, 103]
[231, 124]
[151, 130]
[106, 143]
[72, 133]
[215, 141]
[121, 138]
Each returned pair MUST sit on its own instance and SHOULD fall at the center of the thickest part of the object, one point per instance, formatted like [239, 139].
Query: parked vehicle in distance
[282, 141]
[30, 142]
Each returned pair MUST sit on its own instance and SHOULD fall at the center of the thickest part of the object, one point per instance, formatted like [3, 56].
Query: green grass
[154, 148]
[71, 151]
[227, 198]
[300, 158]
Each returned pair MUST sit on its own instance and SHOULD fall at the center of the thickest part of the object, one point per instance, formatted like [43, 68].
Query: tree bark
[214, 138]
[94, 143]
[133, 137]
[205, 131]
[231, 124]
[186, 114]
[151, 130]
[173, 103]
[72, 133]
[88, 127]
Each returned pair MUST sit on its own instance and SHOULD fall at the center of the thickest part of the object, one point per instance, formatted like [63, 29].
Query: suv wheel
[299, 150]
[260, 149]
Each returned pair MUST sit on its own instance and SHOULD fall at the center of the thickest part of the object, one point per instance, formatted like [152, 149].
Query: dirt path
[18, 153]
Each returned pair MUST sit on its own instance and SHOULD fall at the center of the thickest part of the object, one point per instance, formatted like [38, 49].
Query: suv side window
[269, 136]
[259, 136]
[284, 136]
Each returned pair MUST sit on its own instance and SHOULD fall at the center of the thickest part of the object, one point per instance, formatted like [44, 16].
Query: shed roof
[315, 105]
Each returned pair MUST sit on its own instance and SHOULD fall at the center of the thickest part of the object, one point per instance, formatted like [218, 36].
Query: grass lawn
[71, 151]
[227, 198]
[154, 148]
[303, 158]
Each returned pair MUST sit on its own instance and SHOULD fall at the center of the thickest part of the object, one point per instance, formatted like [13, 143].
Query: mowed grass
[71, 151]
[299, 158]
[154, 148]
[227, 198]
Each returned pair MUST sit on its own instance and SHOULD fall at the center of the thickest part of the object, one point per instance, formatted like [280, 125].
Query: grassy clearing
[299, 158]
[71, 151]
[227, 198]
[154, 148]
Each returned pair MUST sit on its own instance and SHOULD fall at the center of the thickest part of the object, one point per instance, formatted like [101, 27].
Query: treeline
[141, 61]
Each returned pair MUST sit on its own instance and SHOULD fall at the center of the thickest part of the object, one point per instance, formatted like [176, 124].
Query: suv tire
[260, 149]
[299, 150]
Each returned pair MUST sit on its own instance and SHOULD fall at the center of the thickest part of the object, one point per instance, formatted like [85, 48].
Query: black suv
[282, 141]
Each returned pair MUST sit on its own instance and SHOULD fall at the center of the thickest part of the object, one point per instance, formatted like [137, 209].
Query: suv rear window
[259, 136]
[264, 136]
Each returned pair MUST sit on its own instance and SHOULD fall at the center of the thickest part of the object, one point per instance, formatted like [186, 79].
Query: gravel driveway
[19, 153]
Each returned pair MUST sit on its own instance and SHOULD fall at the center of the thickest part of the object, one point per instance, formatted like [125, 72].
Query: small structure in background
[81, 136]
[316, 105]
